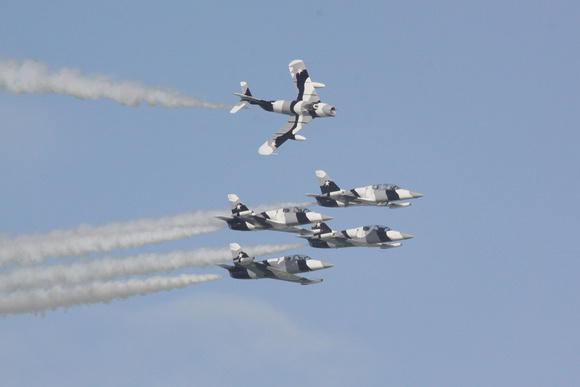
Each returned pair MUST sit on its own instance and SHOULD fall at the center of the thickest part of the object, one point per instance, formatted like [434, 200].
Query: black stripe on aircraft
[301, 78]
[288, 135]
[303, 266]
[392, 195]
[302, 218]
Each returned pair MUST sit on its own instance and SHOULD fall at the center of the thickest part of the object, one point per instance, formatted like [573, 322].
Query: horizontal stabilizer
[248, 98]
[238, 106]
[226, 218]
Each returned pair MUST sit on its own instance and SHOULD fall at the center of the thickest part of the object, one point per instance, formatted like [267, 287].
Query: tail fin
[242, 103]
[326, 183]
[239, 256]
[238, 208]
[320, 228]
[236, 249]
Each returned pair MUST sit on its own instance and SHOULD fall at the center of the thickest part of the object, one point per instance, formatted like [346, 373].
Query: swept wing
[305, 88]
[284, 276]
[286, 132]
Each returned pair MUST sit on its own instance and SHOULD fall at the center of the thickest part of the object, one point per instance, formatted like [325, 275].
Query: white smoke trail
[30, 249]
[109, 267]
[28, 76]
[61, 297]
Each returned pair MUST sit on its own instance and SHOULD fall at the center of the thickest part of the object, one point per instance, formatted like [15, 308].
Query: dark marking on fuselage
[326, 202]
[302, 218]
[303, 266]
[382, 234]
[238, 225]
[239, 273]
[318, 243]
[392, 195]
[266, 105]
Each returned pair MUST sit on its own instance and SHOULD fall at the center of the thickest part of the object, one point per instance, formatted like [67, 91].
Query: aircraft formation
[302, 110]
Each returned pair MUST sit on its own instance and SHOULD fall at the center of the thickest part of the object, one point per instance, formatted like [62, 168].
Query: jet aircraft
[304, 109]
[367, 236]
[283, 268]
[282, 219]
[372, 195]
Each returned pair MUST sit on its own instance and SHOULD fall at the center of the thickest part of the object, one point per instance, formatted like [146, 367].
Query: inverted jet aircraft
[367, 236]
[283, 268]
[304, 109]
[282, 219]
[371, 195]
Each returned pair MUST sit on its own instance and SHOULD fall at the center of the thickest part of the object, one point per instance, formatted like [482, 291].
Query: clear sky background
[475, 105]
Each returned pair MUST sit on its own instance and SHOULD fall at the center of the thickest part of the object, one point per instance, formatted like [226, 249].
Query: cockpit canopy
[296, 257]
[295, 209]
[388, 187]
[376, 227]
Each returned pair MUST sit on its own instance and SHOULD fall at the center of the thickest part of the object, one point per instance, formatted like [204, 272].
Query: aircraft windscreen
[390, 187]
[377, 227]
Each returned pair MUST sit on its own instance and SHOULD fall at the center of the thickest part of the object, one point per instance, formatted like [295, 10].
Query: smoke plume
[30, 249]
[61, 297]
[20, 77]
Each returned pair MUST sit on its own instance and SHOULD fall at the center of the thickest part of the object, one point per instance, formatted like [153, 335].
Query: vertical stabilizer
[238, 208]
[242, 103]
[239, 256]
[326, 183]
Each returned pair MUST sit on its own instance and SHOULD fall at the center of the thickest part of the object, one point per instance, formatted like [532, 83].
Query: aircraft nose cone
[326, 217]
[314, 264]
[415, 194]
[407, 236]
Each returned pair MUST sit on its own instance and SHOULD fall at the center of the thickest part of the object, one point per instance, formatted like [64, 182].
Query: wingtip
[266, 149]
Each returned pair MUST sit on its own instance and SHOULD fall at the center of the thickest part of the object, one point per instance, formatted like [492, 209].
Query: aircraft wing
[253, 219]
[284, 276]
[294, 124]
[282, 227]
[304, 85]
[340, 242]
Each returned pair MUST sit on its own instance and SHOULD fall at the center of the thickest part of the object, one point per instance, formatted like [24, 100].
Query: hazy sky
[474, 105]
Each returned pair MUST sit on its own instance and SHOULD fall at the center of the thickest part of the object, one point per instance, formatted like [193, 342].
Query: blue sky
[473, 105]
